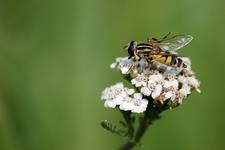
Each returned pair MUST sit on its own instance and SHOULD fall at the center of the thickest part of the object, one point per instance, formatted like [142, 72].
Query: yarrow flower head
[164, 84]
[161, 80]
[152, 77]
[126, 99]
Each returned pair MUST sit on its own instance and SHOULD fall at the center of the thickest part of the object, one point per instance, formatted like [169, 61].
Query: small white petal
[183, 79]
[157, 91]
[193, 82]
[110, 104]
[145, 102]
[143, 83]
[138, 84]
[125, 70]
[184, 92]
[180, 100]
[155, 77]
[123, 94]
[130, 91]
[120, 59]
[151, 83]
[138, 96]
[118, 100]
[140, 106]
[171, 84]
[113, 65]
[198, 90]
[186, 88]
[146, 91]
[168, 95]
[140, 80]
[118, 85]
[138, 109]
[133, 81]
[173, 97]
[126, 106]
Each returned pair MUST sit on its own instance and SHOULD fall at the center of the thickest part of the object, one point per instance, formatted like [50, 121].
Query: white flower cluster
[164, 83]
[163, 88]
[126, 99]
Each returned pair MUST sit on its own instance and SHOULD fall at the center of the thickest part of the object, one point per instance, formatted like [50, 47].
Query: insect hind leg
[166, 36]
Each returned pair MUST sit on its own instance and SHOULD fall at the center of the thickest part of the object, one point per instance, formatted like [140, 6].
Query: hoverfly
[161, 51]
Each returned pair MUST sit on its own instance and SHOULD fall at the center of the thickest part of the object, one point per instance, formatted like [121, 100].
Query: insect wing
[176, 42]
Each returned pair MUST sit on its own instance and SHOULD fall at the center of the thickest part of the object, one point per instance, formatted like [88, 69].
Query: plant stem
[150, 115]
[129, 123]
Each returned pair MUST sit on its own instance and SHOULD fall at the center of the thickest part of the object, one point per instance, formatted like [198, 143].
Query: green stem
[129, 123]
[150, 115]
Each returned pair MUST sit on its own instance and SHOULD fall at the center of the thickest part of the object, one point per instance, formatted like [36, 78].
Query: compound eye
[127, 47]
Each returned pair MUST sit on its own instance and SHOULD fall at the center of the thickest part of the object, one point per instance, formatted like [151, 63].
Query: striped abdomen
[170, 60]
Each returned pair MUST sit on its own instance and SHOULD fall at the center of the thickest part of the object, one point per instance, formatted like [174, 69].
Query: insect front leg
[133, 65]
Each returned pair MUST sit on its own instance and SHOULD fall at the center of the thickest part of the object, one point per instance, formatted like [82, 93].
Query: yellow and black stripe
[167, 59]
[144, 46]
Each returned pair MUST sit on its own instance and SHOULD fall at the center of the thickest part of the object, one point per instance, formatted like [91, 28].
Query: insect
[161, 51]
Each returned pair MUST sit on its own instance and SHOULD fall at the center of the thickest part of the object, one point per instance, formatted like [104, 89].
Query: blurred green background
[54, 63]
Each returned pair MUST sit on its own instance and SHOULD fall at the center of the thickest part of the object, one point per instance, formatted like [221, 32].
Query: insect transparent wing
[176, 42]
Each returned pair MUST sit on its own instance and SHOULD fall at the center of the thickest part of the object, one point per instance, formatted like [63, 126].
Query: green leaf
[113, 128]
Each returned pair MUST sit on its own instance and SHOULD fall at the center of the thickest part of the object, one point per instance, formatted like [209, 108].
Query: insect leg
[130, 57]
[152, 40]
[165, 37]
[133, 65]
